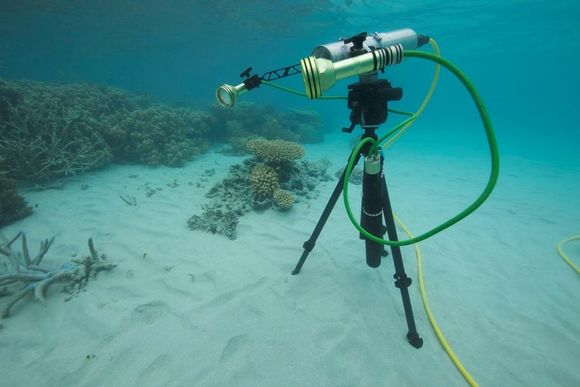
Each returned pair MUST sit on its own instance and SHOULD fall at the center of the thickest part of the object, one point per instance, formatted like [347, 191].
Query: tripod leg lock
[309, 245]
[402, 281]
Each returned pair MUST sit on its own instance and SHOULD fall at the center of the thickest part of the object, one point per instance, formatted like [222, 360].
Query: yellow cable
[438, 332]
[564, 256]
[422, 289]
[436, 328]
[425, 100]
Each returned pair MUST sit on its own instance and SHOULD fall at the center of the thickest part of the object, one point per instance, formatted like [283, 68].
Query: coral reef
[264, 180]
[9, 97]
[49, 130]
[23, 275]
[257, 185]
[157, 135]
[52, 130]
[274, 156]
[12, 205]
[284, 200]
[306, 124]
[275, 151]
[250, 119]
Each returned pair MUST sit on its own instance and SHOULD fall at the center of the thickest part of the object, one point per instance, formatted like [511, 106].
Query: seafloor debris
[22, 275]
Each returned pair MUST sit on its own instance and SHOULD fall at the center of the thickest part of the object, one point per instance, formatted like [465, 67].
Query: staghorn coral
[98, 102]
[50, 130]
[275, 151]
[50, 142]
[263, 180]
[284, 200]
[356, 177]
[26, 276]
[12, 205]
[9, 97]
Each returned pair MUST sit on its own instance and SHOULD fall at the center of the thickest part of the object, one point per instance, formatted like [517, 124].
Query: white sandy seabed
[186, 308]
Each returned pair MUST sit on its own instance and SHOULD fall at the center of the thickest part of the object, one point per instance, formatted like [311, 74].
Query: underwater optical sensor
[361, 55]
[331, 62]
[365, 56]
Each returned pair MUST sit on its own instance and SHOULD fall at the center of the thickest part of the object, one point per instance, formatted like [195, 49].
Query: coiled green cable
[492, 148]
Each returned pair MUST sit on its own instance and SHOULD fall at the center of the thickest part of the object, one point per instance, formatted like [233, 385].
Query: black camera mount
[368, 100]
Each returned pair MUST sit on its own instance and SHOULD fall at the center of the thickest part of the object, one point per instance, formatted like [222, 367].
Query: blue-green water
[522, 55]
[187, 307]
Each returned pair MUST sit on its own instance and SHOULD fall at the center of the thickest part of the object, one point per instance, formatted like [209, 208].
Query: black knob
[356, 40]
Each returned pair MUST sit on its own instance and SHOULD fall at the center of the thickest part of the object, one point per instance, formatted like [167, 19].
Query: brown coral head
[283, 199]
[264, 180]
[275, 151]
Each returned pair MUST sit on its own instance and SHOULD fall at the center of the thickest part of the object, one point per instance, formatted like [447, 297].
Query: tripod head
[357, 44]
[368, 98]
[368, 102]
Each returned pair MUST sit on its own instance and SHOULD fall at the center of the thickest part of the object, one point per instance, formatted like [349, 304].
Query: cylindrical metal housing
[338, 51]
[320, 74]
[228, 94]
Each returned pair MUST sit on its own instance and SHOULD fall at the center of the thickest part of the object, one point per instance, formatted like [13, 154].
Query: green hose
[492, 148]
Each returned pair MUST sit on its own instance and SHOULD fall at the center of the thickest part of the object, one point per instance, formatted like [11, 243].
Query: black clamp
[357, 44]
[402, 281]
[251, 81]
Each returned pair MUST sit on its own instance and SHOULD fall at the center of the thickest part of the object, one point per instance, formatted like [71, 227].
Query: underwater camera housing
[331, 62]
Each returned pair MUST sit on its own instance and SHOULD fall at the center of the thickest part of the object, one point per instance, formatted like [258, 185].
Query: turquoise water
[503, 296]
[523, 55]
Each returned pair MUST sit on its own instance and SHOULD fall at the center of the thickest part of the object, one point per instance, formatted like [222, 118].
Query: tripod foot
[414, 339]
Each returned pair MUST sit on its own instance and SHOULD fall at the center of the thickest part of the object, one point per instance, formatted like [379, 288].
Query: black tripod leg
[401, 279]
[309, 244]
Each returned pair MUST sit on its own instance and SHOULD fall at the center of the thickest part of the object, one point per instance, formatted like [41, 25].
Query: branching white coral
[25, 276]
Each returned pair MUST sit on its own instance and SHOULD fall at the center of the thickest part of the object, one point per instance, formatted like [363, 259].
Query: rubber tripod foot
[414, 339]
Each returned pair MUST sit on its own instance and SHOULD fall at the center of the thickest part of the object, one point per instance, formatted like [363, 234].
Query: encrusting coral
[22, 275]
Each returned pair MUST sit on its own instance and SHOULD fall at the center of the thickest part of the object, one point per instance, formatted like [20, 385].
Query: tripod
[367, 100]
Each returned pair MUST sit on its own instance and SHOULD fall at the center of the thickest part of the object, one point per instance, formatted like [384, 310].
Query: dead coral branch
[25, 276]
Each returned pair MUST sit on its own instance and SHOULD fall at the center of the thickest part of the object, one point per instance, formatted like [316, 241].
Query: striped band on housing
[387, 56]
[311, 77]
[229, 99]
